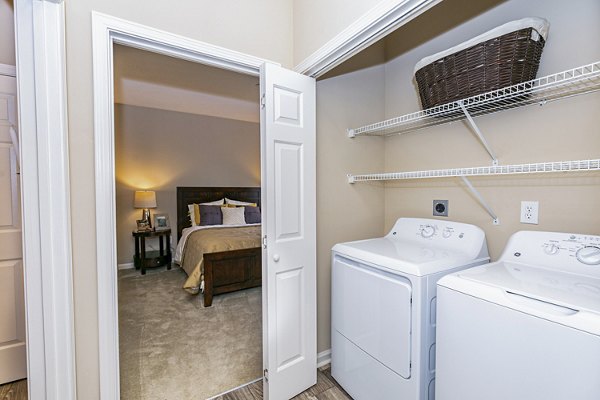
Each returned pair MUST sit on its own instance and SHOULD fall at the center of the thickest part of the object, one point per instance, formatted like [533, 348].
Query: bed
[220, 271]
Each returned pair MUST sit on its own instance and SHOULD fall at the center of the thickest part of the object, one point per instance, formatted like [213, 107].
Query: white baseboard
[126, 266]
[323, 358]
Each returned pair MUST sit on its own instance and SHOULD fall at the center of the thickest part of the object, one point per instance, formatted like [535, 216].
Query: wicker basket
[496, 63]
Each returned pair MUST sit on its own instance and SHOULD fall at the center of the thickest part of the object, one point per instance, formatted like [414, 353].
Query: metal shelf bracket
[350, 133]
[350, 178]
[481, 200]
[478, 132]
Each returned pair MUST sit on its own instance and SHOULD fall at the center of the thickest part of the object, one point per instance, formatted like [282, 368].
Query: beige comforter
[211, 241]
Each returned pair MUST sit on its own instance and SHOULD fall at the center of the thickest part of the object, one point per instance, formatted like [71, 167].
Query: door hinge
[265, 242]
[263, 101]
[266, 374]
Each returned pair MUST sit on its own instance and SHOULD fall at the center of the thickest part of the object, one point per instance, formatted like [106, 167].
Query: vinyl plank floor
[325, 389]
[14, 391]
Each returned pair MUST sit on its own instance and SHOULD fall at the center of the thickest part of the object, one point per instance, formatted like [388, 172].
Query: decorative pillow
[238, 203]
[194, 210]
[210, 215]
[252, 215]
[233, 216]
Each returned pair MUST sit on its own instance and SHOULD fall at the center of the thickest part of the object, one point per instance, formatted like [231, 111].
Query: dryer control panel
[576, 253]
[457, 236]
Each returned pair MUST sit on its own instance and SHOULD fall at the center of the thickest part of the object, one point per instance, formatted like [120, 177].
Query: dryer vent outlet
[440, 208]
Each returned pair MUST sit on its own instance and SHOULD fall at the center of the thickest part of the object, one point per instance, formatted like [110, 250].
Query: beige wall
[316, 22]
[7, 33]
[345, 212]
[261, 28]
[160, 150]
[564, 130]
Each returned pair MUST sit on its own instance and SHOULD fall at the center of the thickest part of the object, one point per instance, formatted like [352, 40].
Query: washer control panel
[577, 253]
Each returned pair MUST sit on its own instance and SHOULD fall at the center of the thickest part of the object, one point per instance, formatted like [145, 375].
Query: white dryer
[384, 305]
[526, 327]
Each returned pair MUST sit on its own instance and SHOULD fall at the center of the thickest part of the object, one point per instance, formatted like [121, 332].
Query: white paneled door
[289, 224]
[13, 364]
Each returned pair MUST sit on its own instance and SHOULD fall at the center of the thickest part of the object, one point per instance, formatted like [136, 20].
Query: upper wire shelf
[576, 81]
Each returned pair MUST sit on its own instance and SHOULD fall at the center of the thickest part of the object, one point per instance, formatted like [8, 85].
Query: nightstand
[149, 259]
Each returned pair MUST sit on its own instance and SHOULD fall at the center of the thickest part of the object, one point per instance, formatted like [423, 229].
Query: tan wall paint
[316, 22]
[562, 130]
[345, 212]
[7, 32]
[160, 150]
[261, 28]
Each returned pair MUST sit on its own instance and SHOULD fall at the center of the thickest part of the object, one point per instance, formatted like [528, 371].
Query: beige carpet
[173, 348]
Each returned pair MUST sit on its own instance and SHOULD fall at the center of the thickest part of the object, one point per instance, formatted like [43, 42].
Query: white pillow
[238, 203]
[233, 216]
[214, 203]
[192, 214]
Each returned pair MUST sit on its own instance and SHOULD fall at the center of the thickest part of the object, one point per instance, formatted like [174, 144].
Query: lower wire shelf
[531, 168]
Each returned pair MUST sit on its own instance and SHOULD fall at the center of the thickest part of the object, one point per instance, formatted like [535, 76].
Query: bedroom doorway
[187, 147]
[288, 180]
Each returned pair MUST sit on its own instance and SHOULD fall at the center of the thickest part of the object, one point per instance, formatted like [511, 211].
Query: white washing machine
[384, 302]
[526, 327]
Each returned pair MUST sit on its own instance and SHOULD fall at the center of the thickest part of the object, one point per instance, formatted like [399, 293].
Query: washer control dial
[589, 255]
[551, 249]
[428, 231]
[447, 233]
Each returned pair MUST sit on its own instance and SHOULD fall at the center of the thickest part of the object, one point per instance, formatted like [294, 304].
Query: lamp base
[146, 216]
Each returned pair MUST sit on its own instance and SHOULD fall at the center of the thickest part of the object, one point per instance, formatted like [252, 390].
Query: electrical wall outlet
[530, 212]
[440, 208]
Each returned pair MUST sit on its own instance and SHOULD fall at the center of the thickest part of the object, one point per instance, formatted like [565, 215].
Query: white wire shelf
[564, 84]
[558, 166]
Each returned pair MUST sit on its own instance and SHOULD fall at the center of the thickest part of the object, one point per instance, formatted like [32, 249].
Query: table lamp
[145, 199]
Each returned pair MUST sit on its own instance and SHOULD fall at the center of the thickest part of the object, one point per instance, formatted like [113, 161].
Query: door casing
[107, 31]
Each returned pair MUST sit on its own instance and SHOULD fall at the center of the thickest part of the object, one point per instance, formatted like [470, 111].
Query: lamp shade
[144, 199]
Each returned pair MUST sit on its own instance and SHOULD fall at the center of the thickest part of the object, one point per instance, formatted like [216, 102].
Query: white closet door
[289, 263]
[13, 363]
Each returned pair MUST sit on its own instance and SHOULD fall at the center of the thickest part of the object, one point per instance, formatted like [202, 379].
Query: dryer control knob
[589, 255]
[551, 249]
[427, 231]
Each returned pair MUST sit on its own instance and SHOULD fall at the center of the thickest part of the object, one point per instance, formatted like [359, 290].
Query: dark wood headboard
[189, 195]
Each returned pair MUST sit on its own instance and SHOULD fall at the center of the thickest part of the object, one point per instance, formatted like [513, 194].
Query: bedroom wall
[262, 28]
[160, 150]
[7, 33]
[346, 212]
[564, 130]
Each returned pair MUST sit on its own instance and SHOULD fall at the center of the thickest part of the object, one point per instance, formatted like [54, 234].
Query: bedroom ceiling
[153, 80]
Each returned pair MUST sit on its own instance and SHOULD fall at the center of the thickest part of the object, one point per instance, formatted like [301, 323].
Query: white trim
[40, 52]
[8, 70]
[323, 358]
[125, 266]
[106, 31]
[382, 19]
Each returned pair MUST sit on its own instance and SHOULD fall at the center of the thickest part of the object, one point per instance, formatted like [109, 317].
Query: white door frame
[45, 189]
[106, 32]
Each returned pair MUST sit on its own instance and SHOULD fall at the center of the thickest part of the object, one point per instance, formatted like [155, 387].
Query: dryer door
[372, 309]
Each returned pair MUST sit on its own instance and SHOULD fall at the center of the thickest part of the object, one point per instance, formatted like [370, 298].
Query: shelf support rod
[478, 133]
[481, 200]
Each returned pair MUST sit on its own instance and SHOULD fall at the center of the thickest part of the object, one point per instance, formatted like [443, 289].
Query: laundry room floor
[325, 389]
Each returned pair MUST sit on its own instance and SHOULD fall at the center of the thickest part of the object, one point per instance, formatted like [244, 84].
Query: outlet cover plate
[530, 212]
[440, 208]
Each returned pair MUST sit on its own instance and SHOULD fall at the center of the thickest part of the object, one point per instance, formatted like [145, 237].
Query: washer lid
[408, 257]
[566, 298]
